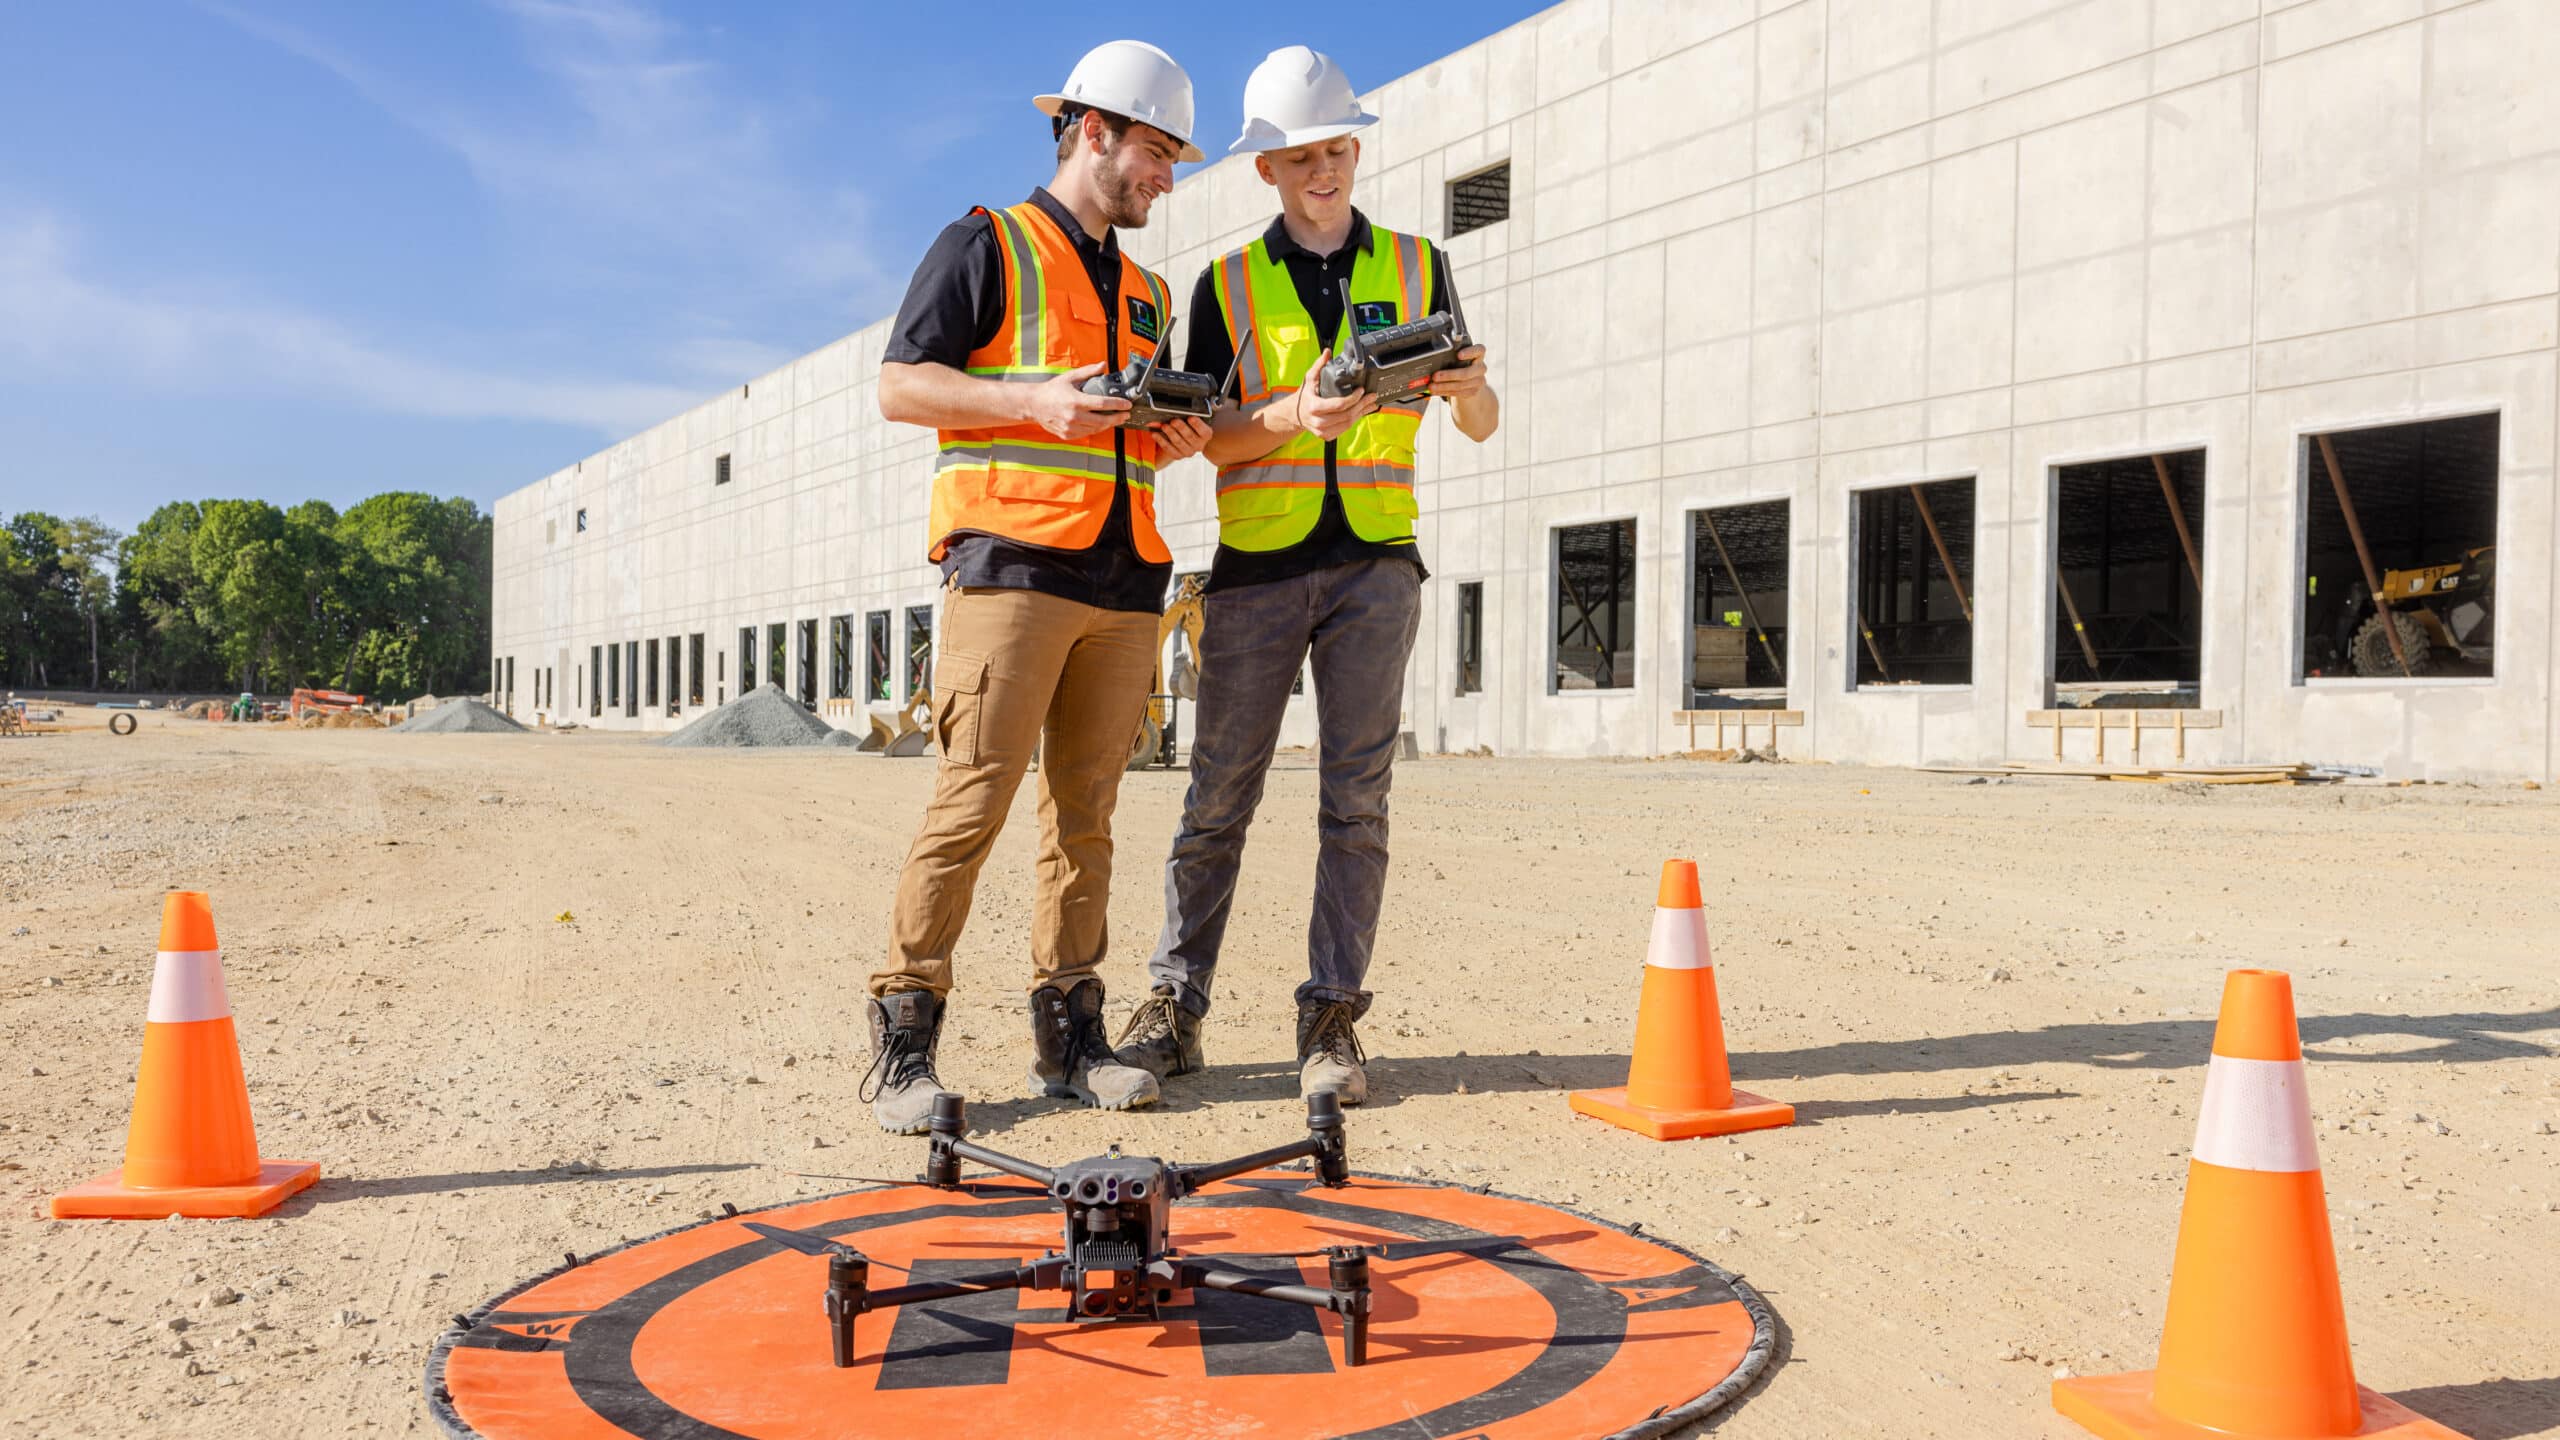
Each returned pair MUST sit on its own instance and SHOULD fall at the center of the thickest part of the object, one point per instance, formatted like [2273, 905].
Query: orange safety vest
[1021, 482]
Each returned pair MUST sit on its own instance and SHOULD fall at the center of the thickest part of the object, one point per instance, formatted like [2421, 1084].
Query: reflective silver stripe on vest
[1250, 385]
[1028, 304]
[1032, 457]
[1311, 477]
[1416, 278]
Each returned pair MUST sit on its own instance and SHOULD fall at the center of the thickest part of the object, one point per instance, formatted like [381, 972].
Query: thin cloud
[56, 321]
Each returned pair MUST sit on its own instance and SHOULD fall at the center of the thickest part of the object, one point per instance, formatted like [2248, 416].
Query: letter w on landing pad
[970, 1340]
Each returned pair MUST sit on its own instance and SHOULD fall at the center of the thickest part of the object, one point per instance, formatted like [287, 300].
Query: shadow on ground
[2489, 1409]
[334, 1188]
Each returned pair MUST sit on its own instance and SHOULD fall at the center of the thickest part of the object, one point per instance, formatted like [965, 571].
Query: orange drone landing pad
[713, 1332]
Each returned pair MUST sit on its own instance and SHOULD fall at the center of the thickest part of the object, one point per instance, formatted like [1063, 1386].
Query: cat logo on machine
[713, 1332]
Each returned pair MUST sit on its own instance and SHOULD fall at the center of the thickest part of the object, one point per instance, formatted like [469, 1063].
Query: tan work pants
[1019, 670]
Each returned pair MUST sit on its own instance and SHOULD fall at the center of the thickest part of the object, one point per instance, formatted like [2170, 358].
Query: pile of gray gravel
[459, 717]
[761, 718]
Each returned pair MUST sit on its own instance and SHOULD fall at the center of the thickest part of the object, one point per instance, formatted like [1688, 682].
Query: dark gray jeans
[1359, 621]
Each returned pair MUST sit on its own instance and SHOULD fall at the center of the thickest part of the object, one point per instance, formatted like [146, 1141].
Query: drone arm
[1262, 1286]
[1191, 1178]
[1025, 1277]
[996, 1160]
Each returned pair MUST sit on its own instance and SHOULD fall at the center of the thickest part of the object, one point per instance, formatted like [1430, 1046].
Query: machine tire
[1142, 750]
[122, 724]
[2370, 650]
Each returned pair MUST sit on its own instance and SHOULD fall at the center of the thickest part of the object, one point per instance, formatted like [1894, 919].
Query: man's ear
[1262, 167]
[1094, 131]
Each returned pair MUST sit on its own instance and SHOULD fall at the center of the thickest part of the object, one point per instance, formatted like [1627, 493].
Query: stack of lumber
[2155, 774]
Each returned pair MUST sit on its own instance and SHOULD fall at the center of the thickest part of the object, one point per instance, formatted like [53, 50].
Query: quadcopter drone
[1119, 1263]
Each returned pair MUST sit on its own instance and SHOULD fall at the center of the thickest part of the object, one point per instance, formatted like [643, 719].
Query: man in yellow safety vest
[1316, 557]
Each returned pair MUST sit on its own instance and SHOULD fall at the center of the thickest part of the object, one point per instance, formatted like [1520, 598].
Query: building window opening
[631, 662]
[1481, 199]
[879, 672]
[809, 663]
[2128, 581]
[746, 659]
[777, 654]
[693, 667]
[595, 692]
[2400, 551]
[720, 471]
[613, 675]
[840, 657]
[1471, 637]
[582, 520]
[1595, 610]
[653, 673]
[919, 649]
[1738, 603]
[1913, 602]
[675, 674]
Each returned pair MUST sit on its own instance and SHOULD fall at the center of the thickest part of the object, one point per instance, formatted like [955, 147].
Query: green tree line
[390, 598]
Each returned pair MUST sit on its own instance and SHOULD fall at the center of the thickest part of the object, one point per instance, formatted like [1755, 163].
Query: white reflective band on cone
[1679, 940]
[2256, 1116]
[187, 985]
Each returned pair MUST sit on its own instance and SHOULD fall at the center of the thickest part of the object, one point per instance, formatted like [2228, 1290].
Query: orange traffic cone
[191, 1149]
[2255, 1342]
[1679, 1084]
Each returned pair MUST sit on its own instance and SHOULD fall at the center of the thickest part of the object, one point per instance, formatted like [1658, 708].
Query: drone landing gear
[1347, 1296]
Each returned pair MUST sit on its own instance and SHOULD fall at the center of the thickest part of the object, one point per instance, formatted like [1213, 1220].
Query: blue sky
[318, 250]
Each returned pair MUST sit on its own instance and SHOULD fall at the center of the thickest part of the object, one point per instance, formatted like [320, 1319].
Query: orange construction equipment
[2255, 1341]
[191, 1149]
[1680, 1084]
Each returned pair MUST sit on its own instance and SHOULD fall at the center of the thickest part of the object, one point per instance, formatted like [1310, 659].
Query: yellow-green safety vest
[1273, 502]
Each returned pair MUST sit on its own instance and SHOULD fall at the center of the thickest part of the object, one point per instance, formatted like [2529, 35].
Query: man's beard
[1122, 206]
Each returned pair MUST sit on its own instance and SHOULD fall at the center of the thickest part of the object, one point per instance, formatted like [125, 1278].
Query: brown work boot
[906, 1029]
[1071, 1055]
[1162, 1038]
[1329, 1054]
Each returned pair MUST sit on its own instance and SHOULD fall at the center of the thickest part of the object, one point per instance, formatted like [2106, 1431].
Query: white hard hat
[1134, 80]
[1297, 97]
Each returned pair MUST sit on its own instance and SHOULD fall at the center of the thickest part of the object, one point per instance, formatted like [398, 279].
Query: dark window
[840, 657]
[1481, 199]
[1298, 682]
[631, 661]
[746, 659]
[675, 673]
[511, 684]
[919, 649]
[1913, 604]
[2128, 574]
[582, 520]
[809, 663]
[1596, 606]
[2408, 515]
[595, 692]
[613, 674]
[1471, 637]
[777, 654]
[498, 681]
[878, 675]
[720, 471]
[693, 663]
[1738, 597]
[653, 674]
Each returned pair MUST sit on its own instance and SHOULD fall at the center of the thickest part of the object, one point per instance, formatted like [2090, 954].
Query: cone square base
[2119, 1407]
[1747, 1112]
[108, 1198]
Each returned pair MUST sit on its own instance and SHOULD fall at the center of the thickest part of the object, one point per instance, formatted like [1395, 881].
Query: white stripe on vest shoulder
[187, 985]
[1679, 940]
[2256, 1116]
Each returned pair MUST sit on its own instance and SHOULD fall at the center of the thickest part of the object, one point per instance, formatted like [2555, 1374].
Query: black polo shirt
[953, 306]
[1318, 279]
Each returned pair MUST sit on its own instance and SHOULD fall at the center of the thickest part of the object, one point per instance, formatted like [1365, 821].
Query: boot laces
[1154, 1020]
[904, 1058]
[1333, 1036]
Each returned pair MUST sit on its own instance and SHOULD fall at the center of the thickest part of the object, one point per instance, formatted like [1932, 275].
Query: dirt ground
[521, 995]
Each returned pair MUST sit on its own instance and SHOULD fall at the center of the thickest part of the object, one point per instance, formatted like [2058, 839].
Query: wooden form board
[1774, 720]
[2098, 722]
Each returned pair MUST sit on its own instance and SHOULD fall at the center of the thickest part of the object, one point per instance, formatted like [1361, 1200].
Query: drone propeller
[1391, 1250]
[802, 1240]
[971, 1187]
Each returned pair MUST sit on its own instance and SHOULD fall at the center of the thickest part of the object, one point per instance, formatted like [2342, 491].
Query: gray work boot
[1329, 1054]
[1162, 1038]
[1071, 1058]
[905, 1029]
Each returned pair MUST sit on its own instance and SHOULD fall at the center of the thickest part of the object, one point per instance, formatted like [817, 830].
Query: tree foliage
[390, 598]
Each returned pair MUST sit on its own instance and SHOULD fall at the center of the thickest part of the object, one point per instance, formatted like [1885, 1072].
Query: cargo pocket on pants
[959, 691]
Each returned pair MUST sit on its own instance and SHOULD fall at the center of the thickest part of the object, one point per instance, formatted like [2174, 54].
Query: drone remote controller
[1156, 395]
[1394, 363]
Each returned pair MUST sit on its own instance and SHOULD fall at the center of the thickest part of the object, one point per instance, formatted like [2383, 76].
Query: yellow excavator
[1185, 616]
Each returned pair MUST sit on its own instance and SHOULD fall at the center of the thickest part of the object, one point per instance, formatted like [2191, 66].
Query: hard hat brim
[1250, 144]
[1050, 105]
